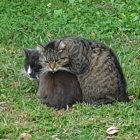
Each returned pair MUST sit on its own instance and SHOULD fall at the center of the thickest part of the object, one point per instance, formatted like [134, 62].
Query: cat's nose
[53, 69]
[52, 66]
[30, 74]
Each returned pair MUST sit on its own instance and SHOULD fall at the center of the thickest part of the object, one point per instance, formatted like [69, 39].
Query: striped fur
[98, 69]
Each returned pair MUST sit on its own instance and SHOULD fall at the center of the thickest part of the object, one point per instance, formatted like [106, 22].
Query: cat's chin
[60, 69]
[64, 69]
[44, 70]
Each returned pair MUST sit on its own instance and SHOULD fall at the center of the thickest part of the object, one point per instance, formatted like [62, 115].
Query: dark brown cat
[99, 72]
[59, 90]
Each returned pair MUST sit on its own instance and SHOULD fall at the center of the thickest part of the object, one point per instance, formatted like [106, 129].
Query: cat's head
[31, 63]
[52, 57]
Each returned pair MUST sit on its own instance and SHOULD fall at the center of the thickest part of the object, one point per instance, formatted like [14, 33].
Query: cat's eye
[57, 61]
[46, 61]
[63, 57]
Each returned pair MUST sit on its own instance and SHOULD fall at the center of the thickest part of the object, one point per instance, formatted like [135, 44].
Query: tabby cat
[98, 69]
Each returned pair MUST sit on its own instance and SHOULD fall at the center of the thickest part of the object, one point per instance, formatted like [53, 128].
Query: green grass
[28, 23]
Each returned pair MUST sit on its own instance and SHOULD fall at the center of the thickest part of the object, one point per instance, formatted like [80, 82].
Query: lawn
[28, 23]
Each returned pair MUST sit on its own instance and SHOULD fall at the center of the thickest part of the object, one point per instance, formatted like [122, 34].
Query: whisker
[43, 70]
[65, 69]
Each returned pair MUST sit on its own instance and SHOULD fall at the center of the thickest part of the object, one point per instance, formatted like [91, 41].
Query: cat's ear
[61, 46]
[40, 49]
[26, 52]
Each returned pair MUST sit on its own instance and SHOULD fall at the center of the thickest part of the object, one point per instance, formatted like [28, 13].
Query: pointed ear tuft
[26, 51]
[61, 46]
[40, 49]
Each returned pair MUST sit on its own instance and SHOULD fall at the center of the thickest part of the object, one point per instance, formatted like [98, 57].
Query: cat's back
[60, 75]
[60, 83]
[59, 89]
[61, 79]
[104, 78]
[65, 77]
